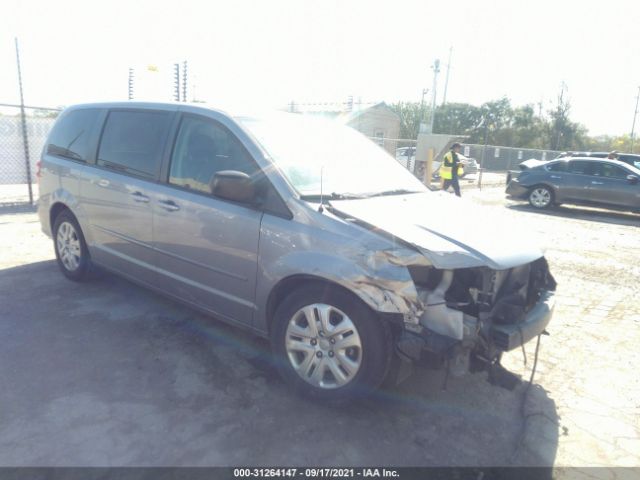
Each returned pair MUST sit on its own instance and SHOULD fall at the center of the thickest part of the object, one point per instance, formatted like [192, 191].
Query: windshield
[304, 148]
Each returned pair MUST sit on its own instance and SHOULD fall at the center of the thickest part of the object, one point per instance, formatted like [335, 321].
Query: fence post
[25, 137]
[484, 154]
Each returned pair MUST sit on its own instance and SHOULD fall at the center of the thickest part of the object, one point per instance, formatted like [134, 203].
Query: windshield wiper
[398, 191]
[316, 197]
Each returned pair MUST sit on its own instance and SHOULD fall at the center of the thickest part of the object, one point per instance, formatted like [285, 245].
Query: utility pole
[635, 114]
[446, 82]
[130, 84]
[25, 138]
[176, 79]
[436, 70]
[561, 108]
[184, 81]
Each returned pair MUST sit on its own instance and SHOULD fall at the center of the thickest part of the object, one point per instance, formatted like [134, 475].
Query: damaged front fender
[380, 278]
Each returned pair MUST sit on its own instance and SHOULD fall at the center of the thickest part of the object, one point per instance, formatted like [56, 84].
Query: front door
[610, 186]
[207, 248]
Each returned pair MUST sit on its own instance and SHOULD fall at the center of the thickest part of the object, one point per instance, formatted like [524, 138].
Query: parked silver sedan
[297, 229]
[583, 181]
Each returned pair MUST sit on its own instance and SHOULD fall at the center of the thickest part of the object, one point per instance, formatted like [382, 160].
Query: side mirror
[632, 179]
[233, 185]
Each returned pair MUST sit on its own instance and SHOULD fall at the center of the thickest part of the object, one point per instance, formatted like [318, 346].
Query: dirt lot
[107, 373]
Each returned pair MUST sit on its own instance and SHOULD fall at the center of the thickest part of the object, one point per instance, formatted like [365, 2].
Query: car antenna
[320, 208]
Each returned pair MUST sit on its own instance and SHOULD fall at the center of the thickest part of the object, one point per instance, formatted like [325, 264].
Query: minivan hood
[450, 232]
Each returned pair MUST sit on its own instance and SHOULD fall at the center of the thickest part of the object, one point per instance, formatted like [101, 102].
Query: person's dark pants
[452, 183]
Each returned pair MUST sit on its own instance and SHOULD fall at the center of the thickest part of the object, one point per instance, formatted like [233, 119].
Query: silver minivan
[296, 228]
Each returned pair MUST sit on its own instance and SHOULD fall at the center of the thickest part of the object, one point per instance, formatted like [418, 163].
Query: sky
[270, 53]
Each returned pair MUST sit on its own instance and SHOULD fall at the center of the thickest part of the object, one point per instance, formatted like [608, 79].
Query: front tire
[71, 249]
[328, 345]
[541, 197]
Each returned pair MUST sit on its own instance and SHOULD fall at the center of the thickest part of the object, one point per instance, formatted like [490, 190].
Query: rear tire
[329, 345]
[71, 249]
[541, 197]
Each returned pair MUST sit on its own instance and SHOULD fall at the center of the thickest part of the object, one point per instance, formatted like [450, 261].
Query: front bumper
[503, 337]
[508, 337]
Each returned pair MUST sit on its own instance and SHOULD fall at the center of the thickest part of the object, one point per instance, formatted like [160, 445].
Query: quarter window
[202, 149]
[132, 141]
[71, 136]
[557, 167]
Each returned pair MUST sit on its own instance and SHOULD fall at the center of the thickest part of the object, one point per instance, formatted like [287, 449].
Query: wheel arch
[293, 282]
[56, 209]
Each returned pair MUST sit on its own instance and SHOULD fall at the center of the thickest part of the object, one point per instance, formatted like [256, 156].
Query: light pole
[423, 124]
[635, 113]
[446, 82]
[436, 69]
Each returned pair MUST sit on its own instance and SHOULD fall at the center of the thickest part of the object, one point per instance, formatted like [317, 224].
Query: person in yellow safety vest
[449, 169]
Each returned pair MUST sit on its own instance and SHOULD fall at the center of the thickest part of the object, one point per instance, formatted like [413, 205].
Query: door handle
[103, 183]
[555, 176]
[139, 197]
[169, 205]
[597, 183]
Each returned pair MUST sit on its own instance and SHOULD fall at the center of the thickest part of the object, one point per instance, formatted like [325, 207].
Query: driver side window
[202, 149]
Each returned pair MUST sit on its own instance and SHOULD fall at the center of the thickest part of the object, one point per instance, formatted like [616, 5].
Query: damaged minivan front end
[477, 313]
[370, 262]
[464, 302]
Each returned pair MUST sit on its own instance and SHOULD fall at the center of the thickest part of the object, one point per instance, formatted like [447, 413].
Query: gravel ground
[107, 373]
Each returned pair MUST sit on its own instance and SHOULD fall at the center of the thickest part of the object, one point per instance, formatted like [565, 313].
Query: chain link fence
[15, 178]
[492, 160]
[502, 159]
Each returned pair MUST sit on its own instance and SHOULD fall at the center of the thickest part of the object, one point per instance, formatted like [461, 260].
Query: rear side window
[132, 142]
[583, 167]
[71, 136]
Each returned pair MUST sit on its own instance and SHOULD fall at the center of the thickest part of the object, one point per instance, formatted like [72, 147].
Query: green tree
[410, 115]
[504, 124]
[457, 118]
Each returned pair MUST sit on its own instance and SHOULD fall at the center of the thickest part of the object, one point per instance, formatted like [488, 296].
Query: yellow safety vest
[447, 166]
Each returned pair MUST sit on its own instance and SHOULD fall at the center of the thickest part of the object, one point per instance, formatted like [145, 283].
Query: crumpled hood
[450, 232]
[532, 163]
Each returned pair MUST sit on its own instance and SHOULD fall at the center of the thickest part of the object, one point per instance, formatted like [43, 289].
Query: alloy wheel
[68, 244]
[540, 197]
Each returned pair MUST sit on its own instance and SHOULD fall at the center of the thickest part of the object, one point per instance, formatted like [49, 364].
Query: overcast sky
[273, 52]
